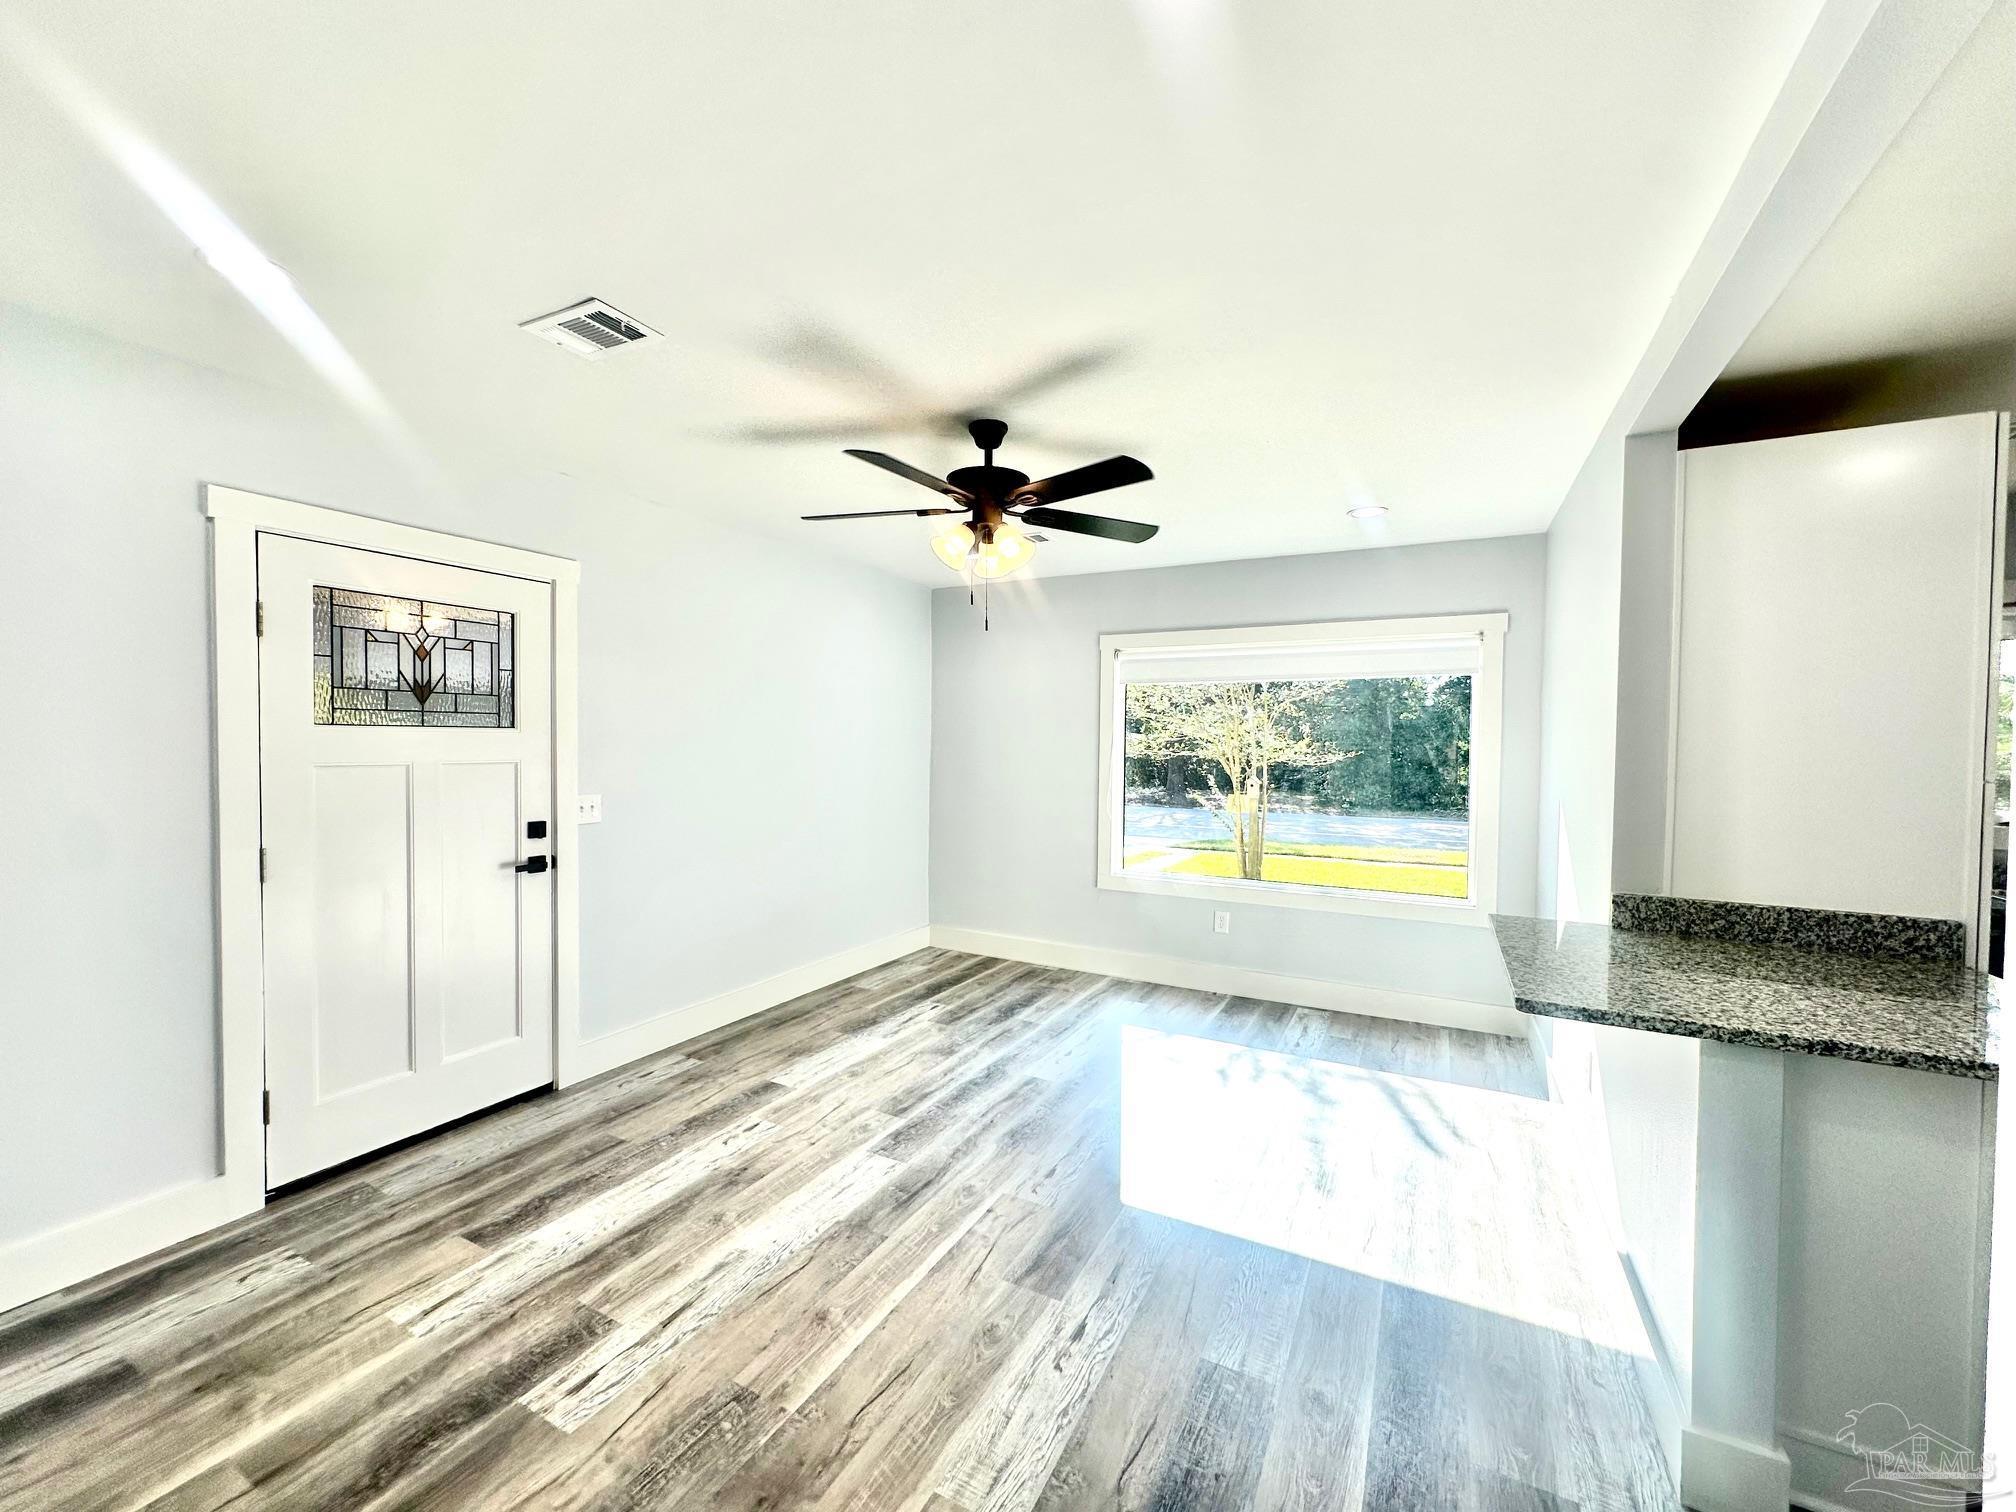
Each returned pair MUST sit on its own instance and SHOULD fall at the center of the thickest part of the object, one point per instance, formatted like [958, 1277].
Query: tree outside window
[1359, 783]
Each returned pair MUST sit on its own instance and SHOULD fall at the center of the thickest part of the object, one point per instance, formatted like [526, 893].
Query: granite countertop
[1852, 1003]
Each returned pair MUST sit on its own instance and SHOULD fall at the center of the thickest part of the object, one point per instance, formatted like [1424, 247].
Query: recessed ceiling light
[1367, 512]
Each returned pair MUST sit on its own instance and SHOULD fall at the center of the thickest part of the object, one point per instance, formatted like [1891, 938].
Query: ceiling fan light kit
[1001, 549]
[999, 502]
[952, 545]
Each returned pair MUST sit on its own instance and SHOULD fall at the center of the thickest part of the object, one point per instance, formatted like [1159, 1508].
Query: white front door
[405, 720]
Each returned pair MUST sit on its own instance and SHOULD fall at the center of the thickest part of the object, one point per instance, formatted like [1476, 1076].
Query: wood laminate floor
[957, 1235]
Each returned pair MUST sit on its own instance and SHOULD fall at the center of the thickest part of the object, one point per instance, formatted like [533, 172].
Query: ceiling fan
[999, 501]
[896, 406]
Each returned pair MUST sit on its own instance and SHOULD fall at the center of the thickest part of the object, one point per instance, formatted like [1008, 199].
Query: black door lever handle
[532, 864]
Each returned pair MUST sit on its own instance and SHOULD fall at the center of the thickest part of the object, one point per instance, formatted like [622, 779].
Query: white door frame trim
[237, 519]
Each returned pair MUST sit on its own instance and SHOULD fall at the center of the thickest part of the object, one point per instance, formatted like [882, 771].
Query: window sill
[1471, 912]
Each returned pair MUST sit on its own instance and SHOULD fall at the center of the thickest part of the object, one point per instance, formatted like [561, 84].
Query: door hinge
[266, 1106]
[262, 865]
[259, 617]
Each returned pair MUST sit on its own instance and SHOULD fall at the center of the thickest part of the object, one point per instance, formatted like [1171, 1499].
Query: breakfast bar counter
[1859, 987]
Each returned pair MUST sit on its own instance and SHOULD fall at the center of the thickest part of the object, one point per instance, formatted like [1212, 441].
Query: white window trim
[1487, 720]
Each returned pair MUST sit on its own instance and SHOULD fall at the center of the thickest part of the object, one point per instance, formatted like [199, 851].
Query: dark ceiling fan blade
[1093, 477]
[880, 514]
[1092, 525]
[821, 351]
[833, 431]
[915, 474]
[1036, 435]
[1052, 374]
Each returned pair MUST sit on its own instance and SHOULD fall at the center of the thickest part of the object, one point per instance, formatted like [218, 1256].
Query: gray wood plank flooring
[956, 1235]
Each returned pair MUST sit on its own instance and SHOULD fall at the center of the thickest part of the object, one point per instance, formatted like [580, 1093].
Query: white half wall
[1884, 1258]
[755, 717]
[1015, 755]
[1635, 1098]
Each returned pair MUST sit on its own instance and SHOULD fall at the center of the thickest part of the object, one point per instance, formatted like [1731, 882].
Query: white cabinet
[1835, 620]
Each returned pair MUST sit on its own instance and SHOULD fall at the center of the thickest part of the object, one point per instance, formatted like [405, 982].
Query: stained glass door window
[383, 660]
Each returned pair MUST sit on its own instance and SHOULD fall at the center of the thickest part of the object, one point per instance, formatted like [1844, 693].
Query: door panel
[478, 824]
[363, 918]
[405, 713]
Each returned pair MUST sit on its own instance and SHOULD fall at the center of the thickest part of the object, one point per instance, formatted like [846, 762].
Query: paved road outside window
[1147, 821]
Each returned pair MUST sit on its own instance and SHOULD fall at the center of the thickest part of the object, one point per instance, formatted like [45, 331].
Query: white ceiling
[1347, 252]
[1924, 256]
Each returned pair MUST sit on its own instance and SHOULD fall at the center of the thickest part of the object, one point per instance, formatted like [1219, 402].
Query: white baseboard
[1823, 1470]
[47, 1262]
[1207, 976]
[1722, 1474]
[607, 1051]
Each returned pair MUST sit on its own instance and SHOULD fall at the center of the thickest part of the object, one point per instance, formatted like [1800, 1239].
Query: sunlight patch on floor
[1467, 1193]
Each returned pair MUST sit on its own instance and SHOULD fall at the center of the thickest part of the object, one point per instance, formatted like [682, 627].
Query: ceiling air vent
[590, 329]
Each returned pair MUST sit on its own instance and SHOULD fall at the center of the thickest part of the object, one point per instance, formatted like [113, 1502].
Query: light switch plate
[588, 808]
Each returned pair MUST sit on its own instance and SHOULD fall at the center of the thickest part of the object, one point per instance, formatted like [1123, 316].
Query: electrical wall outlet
[588, 808]
[1221, 921]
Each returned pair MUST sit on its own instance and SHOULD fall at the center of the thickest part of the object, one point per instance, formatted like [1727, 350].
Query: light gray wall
[1579, 734]
[756, 719]
[1015, 752]
[1634, 1096]
[1649, 562]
